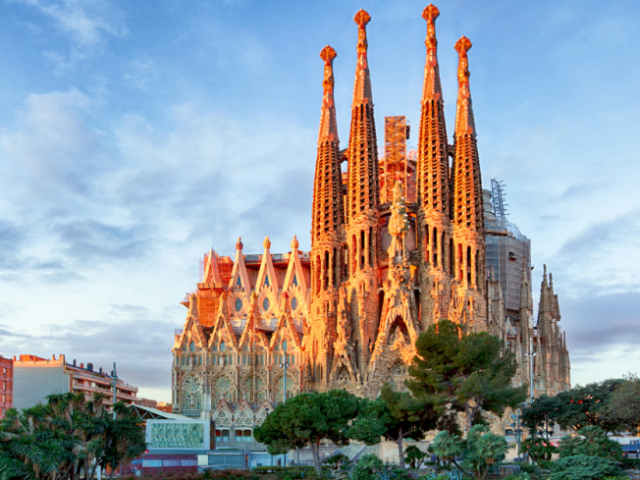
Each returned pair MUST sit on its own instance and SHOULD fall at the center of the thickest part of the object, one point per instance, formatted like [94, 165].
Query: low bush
[367, 467]
[584, 467]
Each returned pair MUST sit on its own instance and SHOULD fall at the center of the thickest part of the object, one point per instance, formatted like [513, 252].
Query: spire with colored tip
[432, 89]
[364, 188]
[433, 160]
[328, 123]
[362, 86]
[467, 184]
[464, 113]
[327, 210]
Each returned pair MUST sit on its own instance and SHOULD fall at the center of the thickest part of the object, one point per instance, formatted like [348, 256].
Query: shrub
[591, 441]
[538, 448]
[583, 467]
[414, 456]
[336, 460]
[482, 449]
[367, 467]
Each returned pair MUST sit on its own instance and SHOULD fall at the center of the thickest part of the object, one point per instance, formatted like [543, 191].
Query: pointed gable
[222, 329]
[285, 329]
[267, 276]
[192, 331]
[239, 276]
[212, 270]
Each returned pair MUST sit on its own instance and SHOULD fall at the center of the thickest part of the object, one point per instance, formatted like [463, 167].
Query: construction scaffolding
[396, 165]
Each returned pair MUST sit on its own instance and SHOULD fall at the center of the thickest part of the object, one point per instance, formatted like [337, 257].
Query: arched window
[222, 346]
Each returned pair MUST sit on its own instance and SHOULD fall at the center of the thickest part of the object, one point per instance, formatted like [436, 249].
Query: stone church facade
[397, 243]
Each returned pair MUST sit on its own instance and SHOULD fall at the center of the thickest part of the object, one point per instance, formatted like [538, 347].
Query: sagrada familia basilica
[397, 243]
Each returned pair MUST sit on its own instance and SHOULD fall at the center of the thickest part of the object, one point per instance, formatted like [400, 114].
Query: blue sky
[135, 135]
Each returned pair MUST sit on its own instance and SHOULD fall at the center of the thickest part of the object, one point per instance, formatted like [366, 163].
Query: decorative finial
[465, 123]
[239, 244]
[328, 124]
[328, 54]
[295, 244]
[362, 87]
[254, 296]
[431, 88]
[267, 243]
[462, 47]
[430, 14]
[362, 18]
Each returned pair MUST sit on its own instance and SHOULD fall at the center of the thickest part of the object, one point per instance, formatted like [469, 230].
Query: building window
[192, 347]
[182, 360]
[222, 346]
[238, 302]
[224, 437]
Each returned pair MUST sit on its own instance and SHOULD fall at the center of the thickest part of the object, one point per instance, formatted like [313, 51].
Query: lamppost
[284, 365]
[115, 379]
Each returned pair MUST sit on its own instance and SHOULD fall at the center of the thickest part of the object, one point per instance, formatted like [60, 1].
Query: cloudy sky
[135, 135]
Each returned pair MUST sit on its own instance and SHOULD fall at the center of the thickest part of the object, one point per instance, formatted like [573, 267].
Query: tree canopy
[612, 405]
[56, 440]
[308, 419]
[395, 416]
[469, 372]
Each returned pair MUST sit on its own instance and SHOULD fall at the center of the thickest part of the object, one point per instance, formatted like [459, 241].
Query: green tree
[470, 372]
[623, 406]
[541, 414]
[414, 456]
[483, 449]
[55, 440]
[308, 419]
[396, 416]
[588, 405]
[591, 441]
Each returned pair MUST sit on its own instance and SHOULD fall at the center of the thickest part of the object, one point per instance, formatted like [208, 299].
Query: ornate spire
[464, 113]
[432, 89]
[364, 187]
[362, 86]
[328, 124]
[328, 213]
[433, 160]
[467, 201]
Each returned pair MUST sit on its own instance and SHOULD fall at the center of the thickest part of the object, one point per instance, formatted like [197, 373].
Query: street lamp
[284, 365]
[284, 395]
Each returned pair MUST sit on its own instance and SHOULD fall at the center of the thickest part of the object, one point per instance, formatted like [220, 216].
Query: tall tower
[467, 215]
[326, 233]
[434, 232]
[363, 213]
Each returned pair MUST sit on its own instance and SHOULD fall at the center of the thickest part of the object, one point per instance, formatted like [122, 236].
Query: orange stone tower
[434, 198]
[326, 238]
[468, 289]
[362, 230]
[382, 268]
